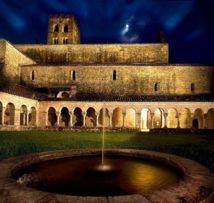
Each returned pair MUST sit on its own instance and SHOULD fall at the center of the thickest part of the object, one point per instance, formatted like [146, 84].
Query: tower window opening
[156, 87]
[55, 41]
[73, 75]
[56, 28]
[32, 75]
[114, 75]
[65, 40]
[192, 87]
[65, 28]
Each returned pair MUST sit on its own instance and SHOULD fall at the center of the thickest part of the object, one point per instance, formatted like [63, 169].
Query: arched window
[56, 28]
[192, 87]
[32, 75]
[114, 75]
[156, 87]
[55, 40]
[65, 28]
[73, 75]
[65, 40]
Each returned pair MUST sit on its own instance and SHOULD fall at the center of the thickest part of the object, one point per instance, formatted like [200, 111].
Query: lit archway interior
[198, 119]
[185, 118]
[52, 117]
[64, 117]
[78, 117]
[130, 118]
[172, 118]
[210, 119]
[9, 114]
[117, 118]
[146, 122]
[90, 120]
[158, 120]
[23, 115]
[32, 116]
[104, 117]
[1, 112]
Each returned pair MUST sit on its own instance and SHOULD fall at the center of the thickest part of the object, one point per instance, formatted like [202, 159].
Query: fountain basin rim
[195, 178]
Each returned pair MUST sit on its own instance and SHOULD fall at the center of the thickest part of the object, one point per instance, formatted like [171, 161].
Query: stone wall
[130, 80]
[97, 53]
[2, 50]
[12, 59]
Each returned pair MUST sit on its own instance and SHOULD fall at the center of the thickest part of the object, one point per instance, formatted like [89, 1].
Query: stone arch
[65, 40]
[32, 75]
[158, 120]
[1, 113]
[65, 28]
[210, 119]
[114, 75]
[23, 115]
[185, 118]
[32, 116]
[104, 117]
[73, 75]
[172, 118]
[64, 117]
[91, 118]
[192, 87]
[78, 117]
[130, 118]
[65, 95]
[52, 117]
[146, 121]
[55, 40]
[117, 118]
[198, 119]
[9, 114]
[156, 87]
[56, 28]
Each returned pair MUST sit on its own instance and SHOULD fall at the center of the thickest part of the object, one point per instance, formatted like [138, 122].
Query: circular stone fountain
[127, 176]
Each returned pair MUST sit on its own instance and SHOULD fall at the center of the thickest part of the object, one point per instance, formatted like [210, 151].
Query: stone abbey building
[72, 85]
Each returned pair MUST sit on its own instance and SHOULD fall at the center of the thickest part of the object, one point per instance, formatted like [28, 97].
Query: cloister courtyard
[198, 147]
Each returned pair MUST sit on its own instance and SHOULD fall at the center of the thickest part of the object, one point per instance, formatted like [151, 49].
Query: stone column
[46, 118]
[26, 118]
[84, 118]
[152, 123]
[110, 119]
[178, 118]
[124, 116]
[138, 120]
[2, 118]
[97, 119]
[58, 118]
[17, 117]
[71, 119]
[166, 119]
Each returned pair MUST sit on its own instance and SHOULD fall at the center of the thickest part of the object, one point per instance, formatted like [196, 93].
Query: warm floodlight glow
[144, 117]
[104, 167]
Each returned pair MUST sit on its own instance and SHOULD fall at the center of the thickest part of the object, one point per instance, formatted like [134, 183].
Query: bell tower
[63, 29]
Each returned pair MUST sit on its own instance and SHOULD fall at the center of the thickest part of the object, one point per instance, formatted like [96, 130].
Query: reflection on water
[85, 176]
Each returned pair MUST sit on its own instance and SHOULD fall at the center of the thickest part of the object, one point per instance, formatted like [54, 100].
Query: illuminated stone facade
[76, 85]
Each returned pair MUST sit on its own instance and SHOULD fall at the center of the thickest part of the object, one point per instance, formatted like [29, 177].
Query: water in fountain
[103, 167]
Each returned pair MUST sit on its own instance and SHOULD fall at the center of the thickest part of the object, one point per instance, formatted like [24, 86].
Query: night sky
[187, 24]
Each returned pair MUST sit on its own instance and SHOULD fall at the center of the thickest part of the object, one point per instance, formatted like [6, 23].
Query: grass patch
[196, 147]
